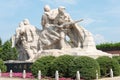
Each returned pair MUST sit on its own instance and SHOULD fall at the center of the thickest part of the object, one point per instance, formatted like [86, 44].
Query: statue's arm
[44, 20]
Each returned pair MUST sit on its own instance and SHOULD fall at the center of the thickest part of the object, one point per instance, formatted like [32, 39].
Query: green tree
[0, 42]
[2, 66]
[0, 47]
[8, 53]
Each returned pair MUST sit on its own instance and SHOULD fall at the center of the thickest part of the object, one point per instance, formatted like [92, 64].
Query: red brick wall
[115, 52]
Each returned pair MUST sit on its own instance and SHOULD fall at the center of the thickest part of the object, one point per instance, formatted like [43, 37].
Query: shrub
[106, 63]
[115, 67]
[87, 67]
[117, 58]
[2, 66]
[42, 64]
[62, 64]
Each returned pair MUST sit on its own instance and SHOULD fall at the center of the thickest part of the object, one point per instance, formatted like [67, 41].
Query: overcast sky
[101, 17]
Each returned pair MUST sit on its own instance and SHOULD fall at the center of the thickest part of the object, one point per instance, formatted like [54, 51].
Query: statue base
[93, 53]
[18, 66]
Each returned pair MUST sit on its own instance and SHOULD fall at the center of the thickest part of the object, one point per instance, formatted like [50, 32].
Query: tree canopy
[7, 52]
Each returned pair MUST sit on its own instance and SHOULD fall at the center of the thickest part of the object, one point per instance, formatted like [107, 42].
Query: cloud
[59, 2]
[99, 38]
[87, 21]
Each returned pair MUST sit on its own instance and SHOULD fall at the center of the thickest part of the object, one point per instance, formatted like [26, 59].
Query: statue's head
[61, 9]
[46, 8]
[21, 24]
[26, 22]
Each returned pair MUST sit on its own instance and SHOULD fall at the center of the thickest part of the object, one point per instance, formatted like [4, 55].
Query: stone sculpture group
[59, 35]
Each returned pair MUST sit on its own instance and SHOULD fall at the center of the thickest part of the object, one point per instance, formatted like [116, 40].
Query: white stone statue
[80, 37]
[74, 32]
[33, 43]
[48, 36]
[30, 39]
[26, 40]
[60, 19]
[17, 42]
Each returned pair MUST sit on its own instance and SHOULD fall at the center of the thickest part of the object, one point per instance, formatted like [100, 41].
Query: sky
[101, 17]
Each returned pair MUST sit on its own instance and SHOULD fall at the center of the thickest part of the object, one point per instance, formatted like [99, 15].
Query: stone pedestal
[93, 53]
[18, 66]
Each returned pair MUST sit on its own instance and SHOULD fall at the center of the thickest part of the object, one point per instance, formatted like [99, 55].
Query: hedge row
[42, 64]
[68, 66]
[108, 46]
[106, 63]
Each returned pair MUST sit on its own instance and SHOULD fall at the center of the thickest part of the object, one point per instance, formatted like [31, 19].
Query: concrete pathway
[2, 78]
[114, 78]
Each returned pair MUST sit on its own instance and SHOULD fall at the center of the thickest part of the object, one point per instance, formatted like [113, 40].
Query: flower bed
[19, 75]
[65, 78]
[29, 75]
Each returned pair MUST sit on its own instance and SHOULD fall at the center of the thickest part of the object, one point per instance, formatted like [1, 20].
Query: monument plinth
[33, 43]
[18, 66]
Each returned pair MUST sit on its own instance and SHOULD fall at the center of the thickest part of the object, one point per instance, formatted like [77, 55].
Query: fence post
[56, 75]
[24, 74]
[78, 75]
[111, 73]
[96, 75]
[11, 74]
[39, 75]
[0, 73]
